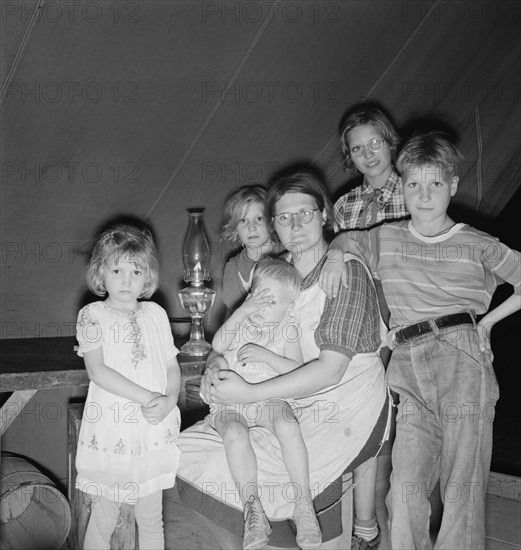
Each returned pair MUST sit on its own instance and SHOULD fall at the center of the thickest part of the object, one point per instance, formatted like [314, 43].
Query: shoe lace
[253, 518]
[306, 513]
[359, 543]
[356, 543]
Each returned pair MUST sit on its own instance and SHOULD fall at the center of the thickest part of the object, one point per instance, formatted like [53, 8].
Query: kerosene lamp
[196, 299]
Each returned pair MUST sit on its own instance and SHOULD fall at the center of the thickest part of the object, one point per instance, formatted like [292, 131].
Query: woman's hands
[214, 364]
[231, 387]
[220, 384]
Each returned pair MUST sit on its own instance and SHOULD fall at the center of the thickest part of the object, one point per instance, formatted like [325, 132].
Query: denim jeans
[448, 391]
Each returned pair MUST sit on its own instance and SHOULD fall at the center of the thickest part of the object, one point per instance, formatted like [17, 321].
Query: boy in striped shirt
[437, 275]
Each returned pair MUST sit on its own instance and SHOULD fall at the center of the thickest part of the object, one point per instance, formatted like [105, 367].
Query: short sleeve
[89, 328]
[504, 262]
[350, 322]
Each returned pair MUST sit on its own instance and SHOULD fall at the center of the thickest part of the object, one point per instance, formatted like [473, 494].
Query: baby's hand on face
[256, 300]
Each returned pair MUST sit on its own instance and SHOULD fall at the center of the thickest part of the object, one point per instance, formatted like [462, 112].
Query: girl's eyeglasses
[304, 216]
[374, 146]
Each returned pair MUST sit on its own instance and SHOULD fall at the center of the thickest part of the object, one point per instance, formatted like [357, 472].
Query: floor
[503, 524]
[184, 531]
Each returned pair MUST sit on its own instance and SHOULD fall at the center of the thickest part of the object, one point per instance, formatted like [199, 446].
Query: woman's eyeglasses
[304, 216]
[374, 146]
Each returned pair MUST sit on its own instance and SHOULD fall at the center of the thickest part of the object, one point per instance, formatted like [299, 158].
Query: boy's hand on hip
[484, 338]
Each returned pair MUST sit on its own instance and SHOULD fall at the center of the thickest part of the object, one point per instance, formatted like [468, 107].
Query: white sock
[367, 531]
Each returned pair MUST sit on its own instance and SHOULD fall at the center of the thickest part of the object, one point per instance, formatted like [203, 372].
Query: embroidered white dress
[120, 455]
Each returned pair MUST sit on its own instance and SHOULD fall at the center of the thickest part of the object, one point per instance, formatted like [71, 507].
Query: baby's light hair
[278, 270]
[235, 207]
[127, 242]
[430, 149]
[360, 115]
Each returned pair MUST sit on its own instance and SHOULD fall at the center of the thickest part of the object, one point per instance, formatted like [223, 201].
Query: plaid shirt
[349, 323]
[364, 207]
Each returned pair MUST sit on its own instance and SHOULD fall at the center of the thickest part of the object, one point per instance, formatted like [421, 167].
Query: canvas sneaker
[309, 535]
[358, 543]
[256, 526]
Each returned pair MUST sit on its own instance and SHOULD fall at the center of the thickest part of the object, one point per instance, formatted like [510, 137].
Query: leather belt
[412, 331]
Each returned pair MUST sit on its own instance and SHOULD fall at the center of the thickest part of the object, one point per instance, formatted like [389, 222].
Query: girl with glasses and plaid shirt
[369, 142]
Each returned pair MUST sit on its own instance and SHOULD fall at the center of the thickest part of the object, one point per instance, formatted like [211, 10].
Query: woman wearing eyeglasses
[340, 389]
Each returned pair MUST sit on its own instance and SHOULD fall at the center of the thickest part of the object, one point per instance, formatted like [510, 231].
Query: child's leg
[383, 484]
[149, 519]
[103, 518]
[233, 428]
[417, 446]
[467, 397]
[278, 417]
[364, 497]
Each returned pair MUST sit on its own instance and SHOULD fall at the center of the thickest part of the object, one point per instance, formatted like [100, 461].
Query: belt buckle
[392, 341]
[397, 339]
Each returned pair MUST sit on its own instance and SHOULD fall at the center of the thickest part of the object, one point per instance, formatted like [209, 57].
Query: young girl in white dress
[127, 449]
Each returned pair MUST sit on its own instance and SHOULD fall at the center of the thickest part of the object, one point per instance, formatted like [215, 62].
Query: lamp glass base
[196, 348]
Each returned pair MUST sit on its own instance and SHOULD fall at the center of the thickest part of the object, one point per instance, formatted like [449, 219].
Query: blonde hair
[235, 207]
[131, 243]
[430, 149]
[278, 270]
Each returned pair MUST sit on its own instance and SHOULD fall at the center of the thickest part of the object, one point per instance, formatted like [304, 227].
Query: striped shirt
[425, 277]
[364, 207]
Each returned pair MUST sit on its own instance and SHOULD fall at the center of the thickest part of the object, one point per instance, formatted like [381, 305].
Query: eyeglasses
[304, 216]
[374, 145]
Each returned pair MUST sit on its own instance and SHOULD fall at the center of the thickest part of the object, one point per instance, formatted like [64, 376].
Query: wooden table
[31, 364]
